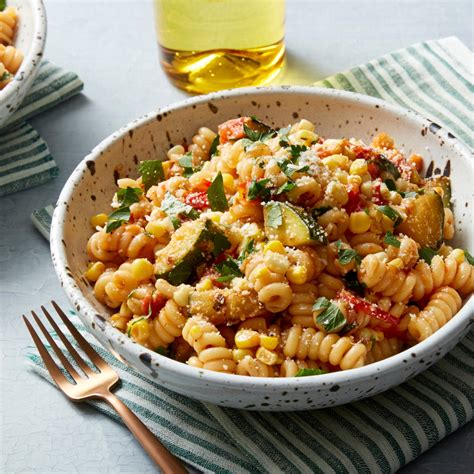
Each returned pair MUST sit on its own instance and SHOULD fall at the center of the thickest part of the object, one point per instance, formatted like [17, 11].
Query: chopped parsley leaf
[275, 216]
[216, 194]
[126, 197]
[426, 254]
[229, 269]
[117, 218]
[151, 172]
[353, 283]
[307, 372]
[258, 190]
[247, 250]
[469, 257]
[391, 213]
[345, 256]
[175, 208]
[331, 318]
[215, 143]
[390, 239]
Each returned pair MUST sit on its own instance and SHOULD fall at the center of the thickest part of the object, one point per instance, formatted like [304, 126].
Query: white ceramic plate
[92, 184]
[30, 39]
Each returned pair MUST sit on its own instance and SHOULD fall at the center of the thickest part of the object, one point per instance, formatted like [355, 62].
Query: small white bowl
[30, 40]
[335, 114]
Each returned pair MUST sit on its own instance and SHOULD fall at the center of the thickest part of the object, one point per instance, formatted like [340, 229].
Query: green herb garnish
[229, 269]
[126, 197]
[275, 216]
[186, 162]
[391, 213]
[296, 151]
[352, 283]
[151, 172]
[220, 243]
[307, 372]
[427, 254]
[386, 165]
[346, 256]
[390, 239]
[117, 218]
[412, 194]
[132, 323]
[331, 319]
[3, 4]
[390, 183]
[258, 135]
[258, 190]
[247, 250]
[175, 208]
[469, 257]
[289, 168]
[286, 187]
[215, 143]
[216, 194]
[320, 211]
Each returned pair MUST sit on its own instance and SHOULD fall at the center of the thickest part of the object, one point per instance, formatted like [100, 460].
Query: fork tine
[72, 371]
[53, 369]
[85, 346]
[77, 357]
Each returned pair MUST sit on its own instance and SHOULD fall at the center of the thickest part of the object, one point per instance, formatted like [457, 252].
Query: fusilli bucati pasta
[269, 252]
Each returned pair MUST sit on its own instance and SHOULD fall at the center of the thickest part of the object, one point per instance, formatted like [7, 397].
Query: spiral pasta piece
[290, 367]
[383, 349]
[8, 20]
[366, 243]
[254, 368]
[311, 344]
[128, 241]
[301, 307]
[169, 324]
[201, 144]
[442, 306]
[11, 58]
[209, 345]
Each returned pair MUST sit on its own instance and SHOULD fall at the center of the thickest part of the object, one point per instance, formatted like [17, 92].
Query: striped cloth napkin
[379, 434]
[25, 160]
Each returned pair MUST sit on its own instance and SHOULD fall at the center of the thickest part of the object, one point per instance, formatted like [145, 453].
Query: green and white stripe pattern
[379, 434]
[25, 160]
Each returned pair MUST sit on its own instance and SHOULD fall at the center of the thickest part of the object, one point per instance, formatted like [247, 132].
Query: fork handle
[167, 462]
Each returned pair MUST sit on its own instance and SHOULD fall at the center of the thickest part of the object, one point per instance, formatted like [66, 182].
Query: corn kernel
[246, 338]
[99, 220]
[359, 222]
[269, 342]
[266, 356]
[216, 218]
[396, 263]
[228, 181]
[297, 274]
[204, 285]
[306, 125]
[166, 167]
[306, 136]
[156, 228]
[239, 354]
[358, 167]
[336, 161]
[195, 332]
[139, 330]
[260, 273]
[274, 246]
[142, 269]
[94, 271]
[458, 255]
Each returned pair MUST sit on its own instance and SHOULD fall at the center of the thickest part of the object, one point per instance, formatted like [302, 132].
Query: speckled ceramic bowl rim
[28, 66]
[130, 347]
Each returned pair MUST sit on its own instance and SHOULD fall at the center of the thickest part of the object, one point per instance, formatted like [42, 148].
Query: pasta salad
[277, 252]
[10, 57]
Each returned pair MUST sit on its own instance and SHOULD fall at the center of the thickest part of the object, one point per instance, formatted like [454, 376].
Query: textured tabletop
[111, 45]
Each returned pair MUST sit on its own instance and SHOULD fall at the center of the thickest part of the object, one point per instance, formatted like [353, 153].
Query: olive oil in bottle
[209, 45]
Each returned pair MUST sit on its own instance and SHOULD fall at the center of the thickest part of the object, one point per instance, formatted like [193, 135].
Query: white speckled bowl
[91, 186]
[30, 39]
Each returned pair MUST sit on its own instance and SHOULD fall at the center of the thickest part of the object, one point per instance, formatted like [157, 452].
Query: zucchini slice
[189, 246]
[291, 225]
[425, 220]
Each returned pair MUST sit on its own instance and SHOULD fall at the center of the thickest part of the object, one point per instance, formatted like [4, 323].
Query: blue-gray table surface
[111, 45]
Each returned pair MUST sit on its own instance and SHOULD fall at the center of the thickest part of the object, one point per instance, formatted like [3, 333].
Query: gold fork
[95, 384]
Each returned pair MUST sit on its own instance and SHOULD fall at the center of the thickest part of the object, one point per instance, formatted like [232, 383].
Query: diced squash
[293, 227]
[425, 220]
[225, 305]
[444, 183]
